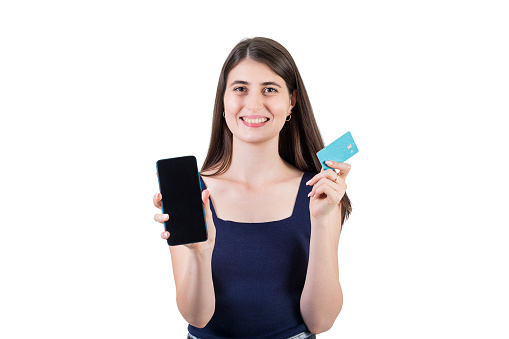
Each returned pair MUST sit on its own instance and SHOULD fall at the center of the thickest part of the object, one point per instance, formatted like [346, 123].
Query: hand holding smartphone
[179, 184]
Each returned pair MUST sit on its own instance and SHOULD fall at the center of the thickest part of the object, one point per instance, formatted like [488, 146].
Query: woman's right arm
[192, 270]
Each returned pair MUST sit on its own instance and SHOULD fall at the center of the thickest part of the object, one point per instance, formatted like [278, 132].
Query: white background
[92, 93]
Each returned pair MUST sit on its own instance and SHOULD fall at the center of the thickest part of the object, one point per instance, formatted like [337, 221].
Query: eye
[240, 89]
[270, 90]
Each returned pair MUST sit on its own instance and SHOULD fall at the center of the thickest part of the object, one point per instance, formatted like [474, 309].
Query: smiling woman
[262, 99]
[274, 216]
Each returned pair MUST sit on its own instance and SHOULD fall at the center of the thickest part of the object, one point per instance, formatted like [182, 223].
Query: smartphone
[340, 150]
[179, 183]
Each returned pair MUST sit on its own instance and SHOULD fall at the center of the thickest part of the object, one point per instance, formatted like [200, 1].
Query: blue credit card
[340, 150]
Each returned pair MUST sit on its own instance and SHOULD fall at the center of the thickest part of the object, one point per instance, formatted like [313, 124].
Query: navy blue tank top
[259, 270]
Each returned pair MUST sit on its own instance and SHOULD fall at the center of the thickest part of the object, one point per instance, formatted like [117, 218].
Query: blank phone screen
[179, 183]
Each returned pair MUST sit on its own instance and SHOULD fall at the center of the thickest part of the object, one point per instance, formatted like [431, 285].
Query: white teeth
[255, 121]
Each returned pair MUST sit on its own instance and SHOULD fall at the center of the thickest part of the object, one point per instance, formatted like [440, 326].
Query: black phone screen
[179, 183]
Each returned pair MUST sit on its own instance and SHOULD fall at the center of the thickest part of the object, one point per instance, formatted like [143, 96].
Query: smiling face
[256, 102]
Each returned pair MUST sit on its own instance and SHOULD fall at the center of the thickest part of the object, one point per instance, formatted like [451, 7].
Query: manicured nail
[328, 162]
[307, 183]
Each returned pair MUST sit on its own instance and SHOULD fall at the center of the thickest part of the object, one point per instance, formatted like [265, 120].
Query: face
[256, 102]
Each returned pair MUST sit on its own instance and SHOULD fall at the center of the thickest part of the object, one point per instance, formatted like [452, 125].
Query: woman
[271, 270]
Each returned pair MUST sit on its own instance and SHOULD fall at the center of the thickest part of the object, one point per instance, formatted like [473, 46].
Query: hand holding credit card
[339, 150]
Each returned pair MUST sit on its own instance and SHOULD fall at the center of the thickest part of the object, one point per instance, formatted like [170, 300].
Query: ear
[293, 99]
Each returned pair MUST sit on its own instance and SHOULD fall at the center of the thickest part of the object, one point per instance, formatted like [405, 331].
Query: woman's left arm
[322, 297]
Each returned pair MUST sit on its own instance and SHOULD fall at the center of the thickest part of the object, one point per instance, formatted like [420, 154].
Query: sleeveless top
[258, 271]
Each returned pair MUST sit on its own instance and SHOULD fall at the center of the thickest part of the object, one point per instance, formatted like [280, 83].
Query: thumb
[206, 202]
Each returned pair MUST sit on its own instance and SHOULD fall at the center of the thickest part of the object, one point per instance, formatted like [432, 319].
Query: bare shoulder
[213, 182]
[291, 175]
[295, 173]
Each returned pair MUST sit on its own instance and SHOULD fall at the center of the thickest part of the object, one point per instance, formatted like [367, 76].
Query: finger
[165, 235]
[343, 167]
[332, 194]
[161, 217]
[157, 200]
[324, 181]
[205, 194]
[329, 173]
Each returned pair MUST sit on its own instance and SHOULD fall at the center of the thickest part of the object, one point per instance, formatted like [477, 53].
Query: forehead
[253, 72]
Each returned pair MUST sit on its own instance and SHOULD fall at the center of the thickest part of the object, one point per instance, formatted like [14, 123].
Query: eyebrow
[267, 83]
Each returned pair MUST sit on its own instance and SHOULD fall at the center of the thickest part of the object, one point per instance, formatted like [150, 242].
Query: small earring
[223, 113]
[290, 116]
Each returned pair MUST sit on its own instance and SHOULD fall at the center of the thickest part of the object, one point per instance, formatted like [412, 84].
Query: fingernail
[309, 194]
[307, 183]
[328, 162]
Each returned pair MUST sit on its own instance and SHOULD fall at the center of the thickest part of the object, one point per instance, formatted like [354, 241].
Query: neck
[256, 163]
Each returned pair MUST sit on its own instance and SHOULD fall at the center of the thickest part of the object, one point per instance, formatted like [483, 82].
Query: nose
[254, 103]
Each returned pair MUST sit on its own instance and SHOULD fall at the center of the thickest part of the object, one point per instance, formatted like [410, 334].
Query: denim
[303, 335]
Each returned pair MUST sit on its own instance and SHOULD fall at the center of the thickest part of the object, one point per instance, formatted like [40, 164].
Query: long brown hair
[299, 139]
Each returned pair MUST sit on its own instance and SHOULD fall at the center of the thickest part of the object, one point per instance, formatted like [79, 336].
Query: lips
[254, 120]
[254, 117]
